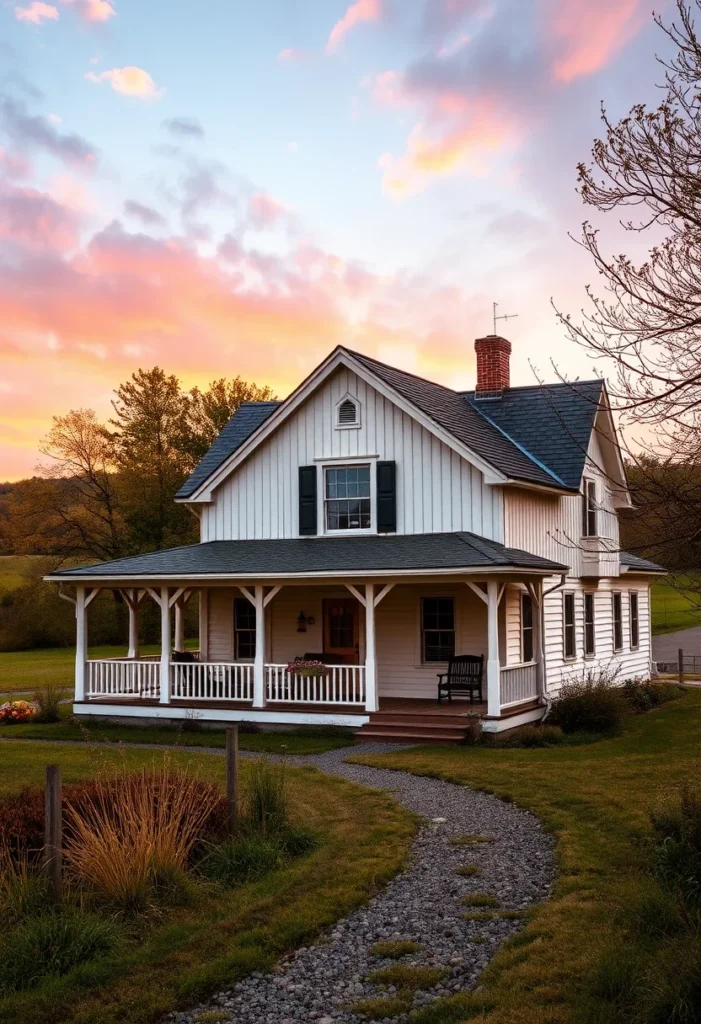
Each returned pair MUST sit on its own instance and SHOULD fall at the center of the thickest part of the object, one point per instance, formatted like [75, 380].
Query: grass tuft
[468, 870]
[479, 899]
[479, 915]
[383, 1006]
[394, 949]
[408, 977]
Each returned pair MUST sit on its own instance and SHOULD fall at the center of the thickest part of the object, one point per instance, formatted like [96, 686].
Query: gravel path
[425, 904]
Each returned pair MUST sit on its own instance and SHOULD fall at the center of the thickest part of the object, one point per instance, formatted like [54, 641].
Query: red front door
[341, 630]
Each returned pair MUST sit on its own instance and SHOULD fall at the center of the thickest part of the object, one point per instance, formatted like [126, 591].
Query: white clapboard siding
[628, 663]
[437, 490]
[551, 526]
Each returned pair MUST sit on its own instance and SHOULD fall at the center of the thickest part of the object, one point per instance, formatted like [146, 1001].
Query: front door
[341, 630]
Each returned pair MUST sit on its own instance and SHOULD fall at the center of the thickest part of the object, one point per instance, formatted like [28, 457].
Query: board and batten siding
[551, 525]
[623, 664]
[437, 490]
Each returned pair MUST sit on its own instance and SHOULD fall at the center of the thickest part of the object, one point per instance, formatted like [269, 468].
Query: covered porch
[379, 617]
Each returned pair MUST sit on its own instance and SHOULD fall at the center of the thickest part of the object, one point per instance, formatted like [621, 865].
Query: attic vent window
[348, 413]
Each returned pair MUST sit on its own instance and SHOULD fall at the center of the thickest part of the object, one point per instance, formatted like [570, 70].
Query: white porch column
[371, 702]
[81, 642]
[259, 662]
[133, 606]
[541, 684]
[493, 689]
[165, 646]
[179, 625]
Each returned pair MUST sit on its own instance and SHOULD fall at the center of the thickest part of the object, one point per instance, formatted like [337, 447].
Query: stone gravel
[424, 904]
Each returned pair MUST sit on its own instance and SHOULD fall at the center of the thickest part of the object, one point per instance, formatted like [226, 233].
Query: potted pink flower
[311, 669]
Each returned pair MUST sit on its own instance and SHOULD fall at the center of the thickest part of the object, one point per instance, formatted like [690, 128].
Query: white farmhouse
[390, 531]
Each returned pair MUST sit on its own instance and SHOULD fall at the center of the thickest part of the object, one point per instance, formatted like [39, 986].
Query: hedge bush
[591, 704]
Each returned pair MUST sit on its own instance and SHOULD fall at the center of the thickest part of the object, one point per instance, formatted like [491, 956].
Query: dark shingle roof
[637, 564]
[245, 420]
[551, 422]
[449, 410]
[342, 555]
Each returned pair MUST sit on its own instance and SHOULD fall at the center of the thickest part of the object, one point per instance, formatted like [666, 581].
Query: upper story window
[347, 499]
[590, 518]
[348, 413]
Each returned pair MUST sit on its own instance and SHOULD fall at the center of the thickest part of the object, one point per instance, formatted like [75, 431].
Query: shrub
[121, 837]
[643, 695]
[590, 704]
[266, 797]
[53, 944]
[532, 736]
[22, 815]
[47, 701]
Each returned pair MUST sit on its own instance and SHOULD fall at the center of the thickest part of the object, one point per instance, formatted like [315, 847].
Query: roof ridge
[397, 369]
[570, 384]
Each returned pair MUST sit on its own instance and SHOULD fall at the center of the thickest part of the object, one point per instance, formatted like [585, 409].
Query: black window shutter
[307, 501]
[386, 497]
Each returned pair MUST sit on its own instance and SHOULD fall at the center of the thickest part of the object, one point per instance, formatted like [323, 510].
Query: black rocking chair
[464, 675]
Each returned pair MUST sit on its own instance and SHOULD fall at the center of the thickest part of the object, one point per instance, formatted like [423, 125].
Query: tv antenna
[504, 316]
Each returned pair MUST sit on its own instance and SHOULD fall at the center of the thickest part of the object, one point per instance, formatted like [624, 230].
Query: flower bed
[16, 712]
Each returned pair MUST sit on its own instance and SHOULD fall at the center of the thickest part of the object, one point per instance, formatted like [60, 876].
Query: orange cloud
[37, 13]
[93, 10]
[129, 81]
[362, 10]
[587, 35]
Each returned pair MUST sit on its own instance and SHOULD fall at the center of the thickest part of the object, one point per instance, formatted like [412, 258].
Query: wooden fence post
[680, 655]
[53, 829]
[232, 776]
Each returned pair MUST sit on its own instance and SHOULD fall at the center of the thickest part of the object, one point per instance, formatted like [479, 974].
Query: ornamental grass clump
[47, 703]
[122, 840]
[265, 798]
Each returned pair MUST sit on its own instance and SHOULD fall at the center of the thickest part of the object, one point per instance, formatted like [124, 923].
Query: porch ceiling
[319, 557]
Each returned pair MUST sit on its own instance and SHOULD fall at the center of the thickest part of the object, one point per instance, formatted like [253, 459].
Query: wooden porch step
[415, 726]
[411, 719]
[370, 734]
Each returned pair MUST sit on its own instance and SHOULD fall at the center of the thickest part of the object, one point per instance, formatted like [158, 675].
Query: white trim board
[270, 716]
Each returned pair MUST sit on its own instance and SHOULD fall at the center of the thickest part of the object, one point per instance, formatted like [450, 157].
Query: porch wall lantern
[301, 623]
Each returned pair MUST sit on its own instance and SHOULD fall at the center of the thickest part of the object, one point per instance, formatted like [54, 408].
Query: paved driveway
[665, 647]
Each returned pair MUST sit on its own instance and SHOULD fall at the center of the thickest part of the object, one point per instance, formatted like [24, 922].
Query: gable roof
[552, 422]
[247, 418]
[324, 556]
[535, 435]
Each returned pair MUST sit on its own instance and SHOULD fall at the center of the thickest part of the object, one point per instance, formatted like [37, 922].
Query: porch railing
[518, 683]
[339, 684]
[120, 677]
[202, 680]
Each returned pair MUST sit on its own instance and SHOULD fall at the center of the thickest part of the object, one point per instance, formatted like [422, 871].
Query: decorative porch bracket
[133, 599]
[370, 601]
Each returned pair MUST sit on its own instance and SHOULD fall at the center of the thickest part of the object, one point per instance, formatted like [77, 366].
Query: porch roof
[320, 556]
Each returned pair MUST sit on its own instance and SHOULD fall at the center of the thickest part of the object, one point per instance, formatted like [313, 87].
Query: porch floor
[413, 706]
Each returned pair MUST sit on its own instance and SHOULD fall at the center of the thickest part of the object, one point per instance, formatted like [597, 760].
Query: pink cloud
[129, 81]
[362, 10]
[37, 13]
[585, 36]
[93, 10]
[36, 220]
[290, 54]
[265, 211]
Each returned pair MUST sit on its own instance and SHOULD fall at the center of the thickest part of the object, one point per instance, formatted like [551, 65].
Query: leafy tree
[211, 410]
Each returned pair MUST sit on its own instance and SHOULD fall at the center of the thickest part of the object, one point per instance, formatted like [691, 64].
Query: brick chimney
[493, 355]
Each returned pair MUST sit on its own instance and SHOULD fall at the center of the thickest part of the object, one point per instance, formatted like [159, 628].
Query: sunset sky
[236, 187]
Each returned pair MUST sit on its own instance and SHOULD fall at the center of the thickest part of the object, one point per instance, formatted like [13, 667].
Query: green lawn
[593, 953]
[13, 571]
[182, 957]
[676, 604]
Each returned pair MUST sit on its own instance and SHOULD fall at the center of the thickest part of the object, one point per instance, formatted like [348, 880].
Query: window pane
[570, 635]
[347, 503]
[634, 621]
[589, 632]
[617, 622]
[244, 630]
[438, 628]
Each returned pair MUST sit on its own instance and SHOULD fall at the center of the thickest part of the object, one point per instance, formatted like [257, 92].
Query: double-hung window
[590, 524]
[617, 612]
[589, 625]
[437, 628]
[527, 645]
[634, 620]
[347, 498]
[244, 630]
[570, 634]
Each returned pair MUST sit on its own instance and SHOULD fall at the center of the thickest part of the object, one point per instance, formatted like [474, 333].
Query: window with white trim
[590, 518]
[589, 625]
[527, 634]
[634, 620]
[437, 628]
[569, 625]
[617, 615]
[244, 630]
[347, 498]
